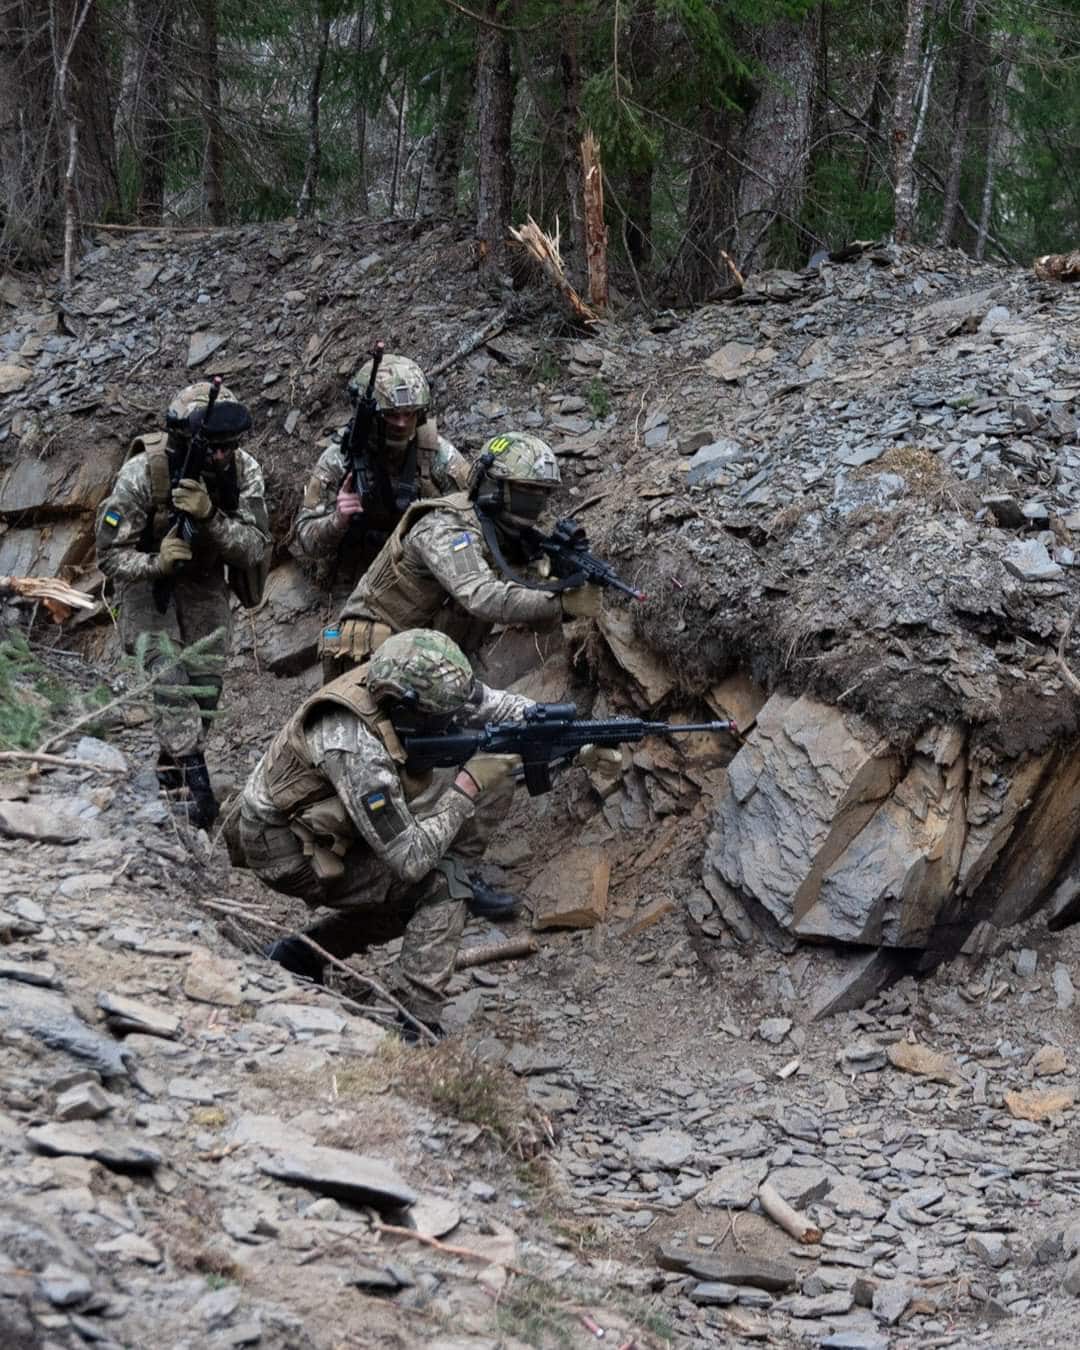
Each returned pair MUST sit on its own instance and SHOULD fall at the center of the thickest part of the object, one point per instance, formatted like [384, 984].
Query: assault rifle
[571, 561]
[549, 733]
[193, 465]
[368, 479]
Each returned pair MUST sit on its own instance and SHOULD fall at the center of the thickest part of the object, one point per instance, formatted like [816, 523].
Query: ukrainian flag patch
[375, 801]
[112, 519]
[462, 541]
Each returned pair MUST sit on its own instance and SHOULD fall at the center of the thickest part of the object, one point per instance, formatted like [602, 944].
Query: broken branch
[790, 1220]
[1067, 675]
[495, 951]
[59, 761]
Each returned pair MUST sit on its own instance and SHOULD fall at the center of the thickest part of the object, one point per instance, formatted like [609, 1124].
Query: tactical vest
[293, 782]
[389, 590]
[246, 583]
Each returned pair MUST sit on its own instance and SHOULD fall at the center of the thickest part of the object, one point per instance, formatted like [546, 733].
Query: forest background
[749, 133]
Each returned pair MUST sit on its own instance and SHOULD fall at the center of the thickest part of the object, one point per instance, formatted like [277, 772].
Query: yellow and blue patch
[375, 801]
[462, 541]
[112, 518]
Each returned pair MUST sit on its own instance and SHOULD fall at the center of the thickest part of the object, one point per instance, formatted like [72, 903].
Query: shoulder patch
[383, 815]
[463, 540]
[112, 518]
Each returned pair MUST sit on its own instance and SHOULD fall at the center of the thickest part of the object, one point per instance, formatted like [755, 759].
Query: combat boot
[337, 935]
[202, 809]
[169, 774]
[488, 902]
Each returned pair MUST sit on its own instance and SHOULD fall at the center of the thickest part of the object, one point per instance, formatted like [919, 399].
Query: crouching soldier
[331, 815]
[179, 586]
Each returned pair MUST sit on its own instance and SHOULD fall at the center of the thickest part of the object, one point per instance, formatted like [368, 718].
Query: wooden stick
[469, 343]
[371, 984]
[60, 761]
[467, 1253]
[1069, 677]
[790, 1220]
[172, 229]
[495, 951]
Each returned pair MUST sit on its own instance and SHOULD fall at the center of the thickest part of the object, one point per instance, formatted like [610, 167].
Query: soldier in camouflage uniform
[167, 585]
[334, 526]
[330, 815]
[452, 562]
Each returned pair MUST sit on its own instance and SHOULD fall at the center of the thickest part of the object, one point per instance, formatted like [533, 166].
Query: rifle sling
[491, 538]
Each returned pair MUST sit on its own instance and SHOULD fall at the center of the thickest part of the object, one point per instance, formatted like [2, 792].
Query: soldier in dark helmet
[168, 584]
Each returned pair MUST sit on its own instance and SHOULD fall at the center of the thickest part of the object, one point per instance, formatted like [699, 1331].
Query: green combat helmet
[423, 670]
[519, 472]
[400, 386]
[228, 421]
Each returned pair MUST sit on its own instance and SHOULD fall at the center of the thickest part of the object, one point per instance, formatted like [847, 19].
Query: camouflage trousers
[197, 606]
[373, 907]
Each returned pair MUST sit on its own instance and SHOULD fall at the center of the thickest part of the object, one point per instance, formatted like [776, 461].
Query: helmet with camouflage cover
[422, 669]
[516, 474]
[519, 457]
[400, 385]
[229, 418]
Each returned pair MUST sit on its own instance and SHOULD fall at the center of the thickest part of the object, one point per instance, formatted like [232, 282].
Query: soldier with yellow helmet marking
[335, 526]
[140, 552]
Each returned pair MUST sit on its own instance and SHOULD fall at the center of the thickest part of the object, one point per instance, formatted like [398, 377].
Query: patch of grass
[527, 1312]
[209, 1117]
[546, 370]
[598, 398]
[217, 1281]
[31, 699]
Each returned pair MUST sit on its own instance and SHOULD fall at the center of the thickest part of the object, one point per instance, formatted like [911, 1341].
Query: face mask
[527, 503]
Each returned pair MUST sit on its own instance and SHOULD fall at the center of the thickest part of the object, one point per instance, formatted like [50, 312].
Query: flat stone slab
[300, 1018]
[130, 1015]
[82, 1139]
[23, 820]
[344, 1175]
[774, 1276]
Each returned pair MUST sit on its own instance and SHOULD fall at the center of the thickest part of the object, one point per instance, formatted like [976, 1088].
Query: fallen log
[57, 596]
[495, 951]
[790, 1220]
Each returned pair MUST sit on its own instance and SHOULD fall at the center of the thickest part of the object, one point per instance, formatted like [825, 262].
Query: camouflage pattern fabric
[424, 663]
[399, 385]
[399, 874]
[200, 595]
[446, 564]
[520, 457]
[316, 534]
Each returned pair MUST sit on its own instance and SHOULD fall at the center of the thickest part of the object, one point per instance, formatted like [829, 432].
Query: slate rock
[303, 1018]
[734, 1186]
[24, 820]
[50, 1018]
[1029, 560]
[101, 753]
[667, 1149]
[339, 1173]
[125, 1015]
[774, 1276]
[62, 1287]
[713, 1292]
[107, 1144]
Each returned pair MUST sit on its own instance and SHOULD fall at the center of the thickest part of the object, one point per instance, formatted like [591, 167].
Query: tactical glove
[173, 552]
[492, 771]
[583, 602]
[604, 761]
[192, 498]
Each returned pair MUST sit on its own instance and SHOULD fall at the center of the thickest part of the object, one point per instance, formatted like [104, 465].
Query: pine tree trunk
[570, 135]
[907, 80]
[775, 144]
[995, 135]
[873, 117]
[710, 211]
[495, 110]
[637, 225]
[214, 152]
[361, 115]
[94, 100]
[399, 141]
[447, 149]
[961, 124]
[310, 186]
[154, 20]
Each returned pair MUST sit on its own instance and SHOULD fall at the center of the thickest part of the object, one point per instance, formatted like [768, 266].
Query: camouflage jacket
[316, 533]
[438, 560]
[128, 533]
[361, 772]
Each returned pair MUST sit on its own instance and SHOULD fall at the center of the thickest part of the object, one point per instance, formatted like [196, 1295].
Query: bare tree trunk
[637, 227]
[154, 30]
[495, 109]
[710, 210]
[570, 131]
[63, 40]
[361, 115]
[774, 148]
[214, 153]
[314, 153]
[873, 118]
[907, 79]
[961, 124]
[596, 236]
[994, 138]
[398, 143]
[447, 148]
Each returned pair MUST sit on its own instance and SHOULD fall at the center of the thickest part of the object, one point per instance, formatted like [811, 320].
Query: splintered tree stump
[596, 235]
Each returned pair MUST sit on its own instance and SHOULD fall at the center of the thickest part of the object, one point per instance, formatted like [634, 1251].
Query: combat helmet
[421, 670]
[518, 471]
[400, 386]
[229, 418]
